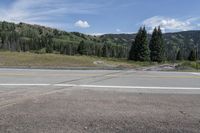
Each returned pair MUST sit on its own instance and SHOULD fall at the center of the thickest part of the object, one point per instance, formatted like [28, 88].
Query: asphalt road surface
[98, 101]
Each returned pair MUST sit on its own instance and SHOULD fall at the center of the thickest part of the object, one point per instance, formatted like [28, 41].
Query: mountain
[39, 39]
[184, 41]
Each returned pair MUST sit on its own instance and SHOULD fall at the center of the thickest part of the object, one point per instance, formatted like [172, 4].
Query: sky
[98, 17]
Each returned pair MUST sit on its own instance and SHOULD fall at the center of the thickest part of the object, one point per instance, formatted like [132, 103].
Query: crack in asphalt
[92, 77]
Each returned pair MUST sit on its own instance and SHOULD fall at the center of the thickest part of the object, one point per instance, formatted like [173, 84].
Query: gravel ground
[90, 111]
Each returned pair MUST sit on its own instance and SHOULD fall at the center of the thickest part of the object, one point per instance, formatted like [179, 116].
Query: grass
[21, 59]
[32, 60]
[189, 65]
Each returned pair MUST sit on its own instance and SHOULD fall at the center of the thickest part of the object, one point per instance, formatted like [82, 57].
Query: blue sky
[104, 16]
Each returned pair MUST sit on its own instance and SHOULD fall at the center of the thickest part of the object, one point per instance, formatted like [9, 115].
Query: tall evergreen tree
[143, 46]
[192, 56]
[82, 49]
[49, 43]
[104, 51]
[156, 46]
[161, 46]
[133, 52]
[179, 56]
[139, 50]
[152, 45]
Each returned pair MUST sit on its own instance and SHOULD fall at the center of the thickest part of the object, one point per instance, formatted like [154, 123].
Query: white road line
[104, 86]
[196, 74]
[128, 87]
[66, 85]
[25, 84]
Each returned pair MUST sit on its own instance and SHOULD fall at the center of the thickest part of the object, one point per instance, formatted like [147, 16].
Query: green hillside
[183, 41]
[40, 39]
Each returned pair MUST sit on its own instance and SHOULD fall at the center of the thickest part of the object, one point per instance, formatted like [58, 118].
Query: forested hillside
[183, 41]
[174, 42]
[39, 39]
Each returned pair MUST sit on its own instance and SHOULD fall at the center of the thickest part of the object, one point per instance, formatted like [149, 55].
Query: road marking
[106, 86]
[169, 77]
[128, 87]
[196, 74]
[45, 75]
[25, 84]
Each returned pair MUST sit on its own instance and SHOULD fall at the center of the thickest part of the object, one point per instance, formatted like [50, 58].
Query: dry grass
[16, 59]
[54, 60]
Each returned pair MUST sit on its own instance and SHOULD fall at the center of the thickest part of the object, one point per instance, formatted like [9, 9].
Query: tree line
[24, 38]
[154, 50]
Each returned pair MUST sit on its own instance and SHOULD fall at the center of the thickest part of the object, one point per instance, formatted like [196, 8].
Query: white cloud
[45, 12]
[82, 24]
[99, 34]
[168, 24]
[96, 34]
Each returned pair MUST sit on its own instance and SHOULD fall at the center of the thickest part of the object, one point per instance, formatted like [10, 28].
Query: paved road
[98, 101]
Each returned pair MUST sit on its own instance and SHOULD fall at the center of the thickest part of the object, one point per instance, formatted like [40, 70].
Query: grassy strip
[189, 65]
[16, 59]
[32, 60]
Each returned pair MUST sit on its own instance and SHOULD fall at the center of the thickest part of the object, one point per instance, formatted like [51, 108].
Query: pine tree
[152, 45]
[105, 51]
[143, 47]
[139, 50]
[192, 56]
[82, 49]
[49, 43]
[179, 56]
[156, 46]
[161, 46]
[133, 52]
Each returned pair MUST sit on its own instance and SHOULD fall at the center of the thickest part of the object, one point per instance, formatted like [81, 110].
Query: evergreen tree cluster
[141, 50]
[179, 56]
[156, 46]
[192, 56]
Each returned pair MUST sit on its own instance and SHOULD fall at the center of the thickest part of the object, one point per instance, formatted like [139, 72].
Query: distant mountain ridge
[184, 41]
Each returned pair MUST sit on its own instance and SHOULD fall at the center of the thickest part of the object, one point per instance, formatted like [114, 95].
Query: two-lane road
[34, 100]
